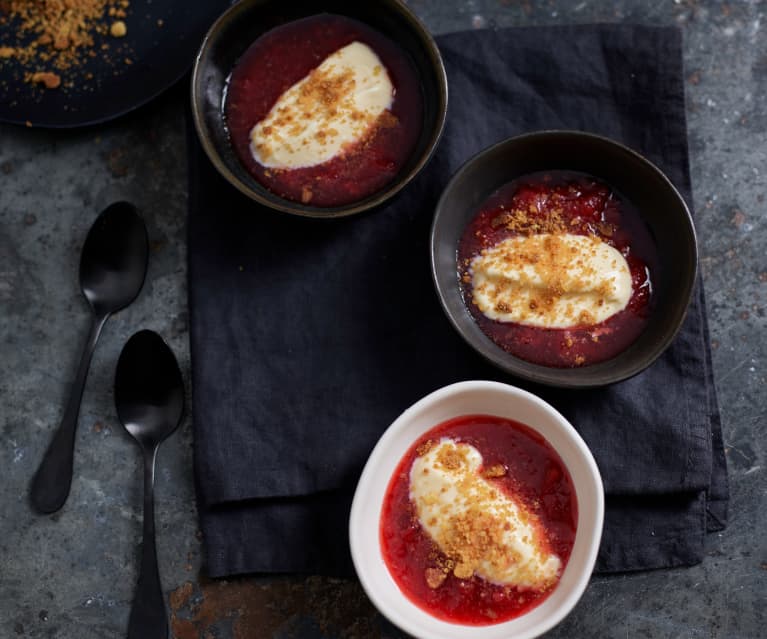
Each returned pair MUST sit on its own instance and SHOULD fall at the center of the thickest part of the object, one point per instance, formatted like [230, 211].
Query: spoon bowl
[149, 390]
[112, 270]
[114, 258]
[149, 397]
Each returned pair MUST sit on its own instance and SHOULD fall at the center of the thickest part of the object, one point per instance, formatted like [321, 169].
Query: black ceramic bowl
[232, 34]
[642, 183]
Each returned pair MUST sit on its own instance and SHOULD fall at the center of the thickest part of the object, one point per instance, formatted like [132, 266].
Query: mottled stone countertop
[72, 575]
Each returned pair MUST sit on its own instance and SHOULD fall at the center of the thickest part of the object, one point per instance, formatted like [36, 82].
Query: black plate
[159, 54]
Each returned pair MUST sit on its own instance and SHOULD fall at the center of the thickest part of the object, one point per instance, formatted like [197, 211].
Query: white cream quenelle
[472, 521]
[551, 280]
[336, 105]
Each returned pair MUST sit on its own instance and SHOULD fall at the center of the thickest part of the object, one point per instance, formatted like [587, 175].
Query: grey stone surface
[72, 575]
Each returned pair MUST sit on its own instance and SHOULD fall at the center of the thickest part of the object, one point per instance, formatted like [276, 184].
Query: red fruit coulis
[587, 207]
[283, 56]
[535, 477]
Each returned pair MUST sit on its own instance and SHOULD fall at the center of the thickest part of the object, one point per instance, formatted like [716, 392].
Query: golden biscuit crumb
[496, 470]
[435, 577]
[118, 29]
[424, 448]
[46, 78]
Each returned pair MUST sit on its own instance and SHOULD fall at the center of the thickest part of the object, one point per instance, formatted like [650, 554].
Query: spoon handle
[147, 616]
[50, 485]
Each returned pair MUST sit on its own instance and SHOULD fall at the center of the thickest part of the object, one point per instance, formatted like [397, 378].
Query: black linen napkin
[309, 337]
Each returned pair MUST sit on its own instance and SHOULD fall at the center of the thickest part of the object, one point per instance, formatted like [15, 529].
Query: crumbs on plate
[50, 37]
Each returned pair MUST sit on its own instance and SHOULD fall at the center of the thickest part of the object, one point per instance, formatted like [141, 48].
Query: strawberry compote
[285, 55]
[531, 473]
[581, 205]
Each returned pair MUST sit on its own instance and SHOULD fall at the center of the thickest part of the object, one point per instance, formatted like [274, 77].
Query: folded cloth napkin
[309, 337]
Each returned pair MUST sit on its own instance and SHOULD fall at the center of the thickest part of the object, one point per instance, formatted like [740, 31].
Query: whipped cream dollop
[481, 529]
[551, 280]
[337, 104]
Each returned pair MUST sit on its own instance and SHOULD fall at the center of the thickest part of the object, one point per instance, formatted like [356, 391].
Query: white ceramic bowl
[467, 398]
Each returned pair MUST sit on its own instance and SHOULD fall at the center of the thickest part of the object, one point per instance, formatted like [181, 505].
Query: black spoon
[112, 270]
[149, 395]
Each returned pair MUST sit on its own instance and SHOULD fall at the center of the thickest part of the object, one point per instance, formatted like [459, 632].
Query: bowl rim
[538, 373]
[366, 566]
[286, 206]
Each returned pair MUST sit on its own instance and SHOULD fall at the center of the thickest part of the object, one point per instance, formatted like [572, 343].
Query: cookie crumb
[434, 577]
[46, 78]
[118, 29]
[496, 470]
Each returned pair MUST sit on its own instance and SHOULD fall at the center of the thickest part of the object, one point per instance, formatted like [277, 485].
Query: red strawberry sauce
[283, 56]
[535, 477]
[587, 207]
